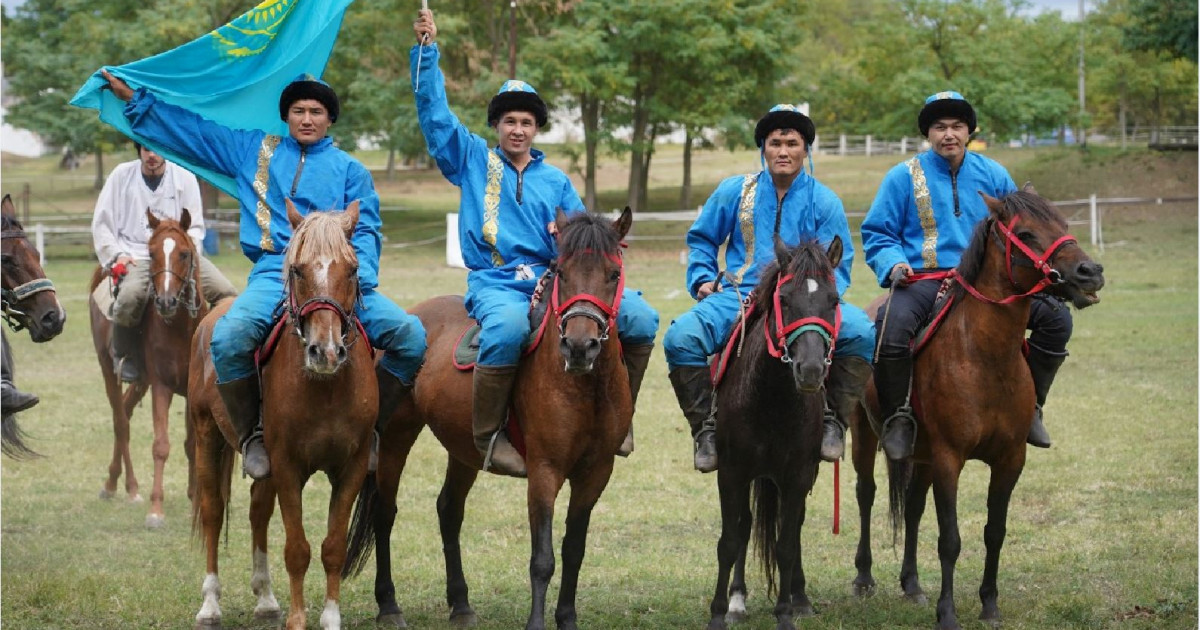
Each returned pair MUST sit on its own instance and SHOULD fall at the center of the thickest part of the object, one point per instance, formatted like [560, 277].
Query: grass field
[1102, 531]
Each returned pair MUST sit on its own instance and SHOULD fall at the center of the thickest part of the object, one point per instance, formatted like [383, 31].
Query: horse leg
[801, 605]
[1004, 479]
[344, 490]
[737, 588]
[396, 444]
[945, 500]
[214, 463]
[585, 492]
[189, 450]
[262, 507]
[736, 520]
[451, 503]
[160, 407]
[914, 508]
[543, 487]
[120, 420]
[296, 551]
[787, 552]
[862, 452]
[133, 396]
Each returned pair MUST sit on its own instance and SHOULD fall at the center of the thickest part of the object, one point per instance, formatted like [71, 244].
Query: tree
[1163, 26]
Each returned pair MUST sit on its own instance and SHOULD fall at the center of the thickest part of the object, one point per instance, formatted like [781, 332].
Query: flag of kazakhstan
[233, 75]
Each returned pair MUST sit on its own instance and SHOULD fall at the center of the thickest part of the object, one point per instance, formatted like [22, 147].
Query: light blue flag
[233, 75]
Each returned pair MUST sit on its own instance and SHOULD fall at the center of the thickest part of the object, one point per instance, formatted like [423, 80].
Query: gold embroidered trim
[925, 213]
[262, 216]
[491, 206]
[746, 219]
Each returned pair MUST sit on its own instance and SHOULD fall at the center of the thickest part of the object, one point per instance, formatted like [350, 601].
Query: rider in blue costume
[307, 168]
[746, 212]
[509, 198]
[923, 217]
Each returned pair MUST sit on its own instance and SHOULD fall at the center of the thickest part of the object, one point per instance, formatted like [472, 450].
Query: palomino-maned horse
[319, 405]
[770, 403]
[29, 301]
[972, 391]
[179, 304]
[572, 402]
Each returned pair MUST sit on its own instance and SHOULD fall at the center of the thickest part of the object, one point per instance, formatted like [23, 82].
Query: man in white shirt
[121, 233]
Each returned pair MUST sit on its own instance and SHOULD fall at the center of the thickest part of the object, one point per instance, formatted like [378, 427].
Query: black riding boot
[843, 390]
[241, 398]
[13, 400]
[492, 390]
[694, 391]
[1043, 367]
[637, 357]
[126, 352]
[391, 392]
[893, 376]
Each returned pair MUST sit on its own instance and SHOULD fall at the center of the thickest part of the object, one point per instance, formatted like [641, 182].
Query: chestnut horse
[29, 301]
[972, 391]
[770, 404]
[571, 399]
[166, 332]
[319, 405]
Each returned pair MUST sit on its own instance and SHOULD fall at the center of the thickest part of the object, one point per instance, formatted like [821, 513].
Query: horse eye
[185, 255]
[616, 275]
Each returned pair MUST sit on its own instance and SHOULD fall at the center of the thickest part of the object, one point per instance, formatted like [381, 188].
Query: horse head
[1039, 253]
[321, 283]
[29, 299]
[173, 266]
[799, 299]
[588, 284]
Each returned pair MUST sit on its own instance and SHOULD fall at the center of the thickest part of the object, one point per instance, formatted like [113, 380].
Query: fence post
[842, 144]
[868, 145]
[25, 194]
[903, 145]
[1094, 218]
[39, 240]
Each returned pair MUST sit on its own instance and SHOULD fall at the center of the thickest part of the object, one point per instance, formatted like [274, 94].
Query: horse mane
[319, 235]
[587, 233]
[1018, 203]
[173, 225]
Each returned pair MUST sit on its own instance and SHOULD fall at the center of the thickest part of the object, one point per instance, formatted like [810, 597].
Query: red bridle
[777, 342]
[582, 304]
[297, 312]
[1050, 275]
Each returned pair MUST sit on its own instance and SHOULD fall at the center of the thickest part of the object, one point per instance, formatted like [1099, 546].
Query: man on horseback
[747, 212]
[922, 219]
[506, 216]
[120, 236]
[308, 169]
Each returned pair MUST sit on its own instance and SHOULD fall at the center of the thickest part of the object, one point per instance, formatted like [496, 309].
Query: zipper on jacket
[299, 169]
[954, 188]
[520, 183]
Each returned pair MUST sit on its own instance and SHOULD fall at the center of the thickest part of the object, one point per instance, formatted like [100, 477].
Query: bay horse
[167, 333]
[319, 402]
[770, 402]
[972, 392]
[571, 400]
[28, 301]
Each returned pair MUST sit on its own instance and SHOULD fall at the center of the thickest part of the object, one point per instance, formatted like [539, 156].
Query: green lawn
[1102, 531]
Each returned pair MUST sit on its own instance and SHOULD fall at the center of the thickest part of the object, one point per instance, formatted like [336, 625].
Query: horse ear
[152, 219]
[560, 219]
[782, 253]
[623, 222]
[294, 216]
[7, 207]
[835, 251]
[350, 218]
[995, 206]
[185, 219]
[1028, 187]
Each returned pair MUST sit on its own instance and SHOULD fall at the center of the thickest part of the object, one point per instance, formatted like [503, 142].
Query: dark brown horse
[29, 301]
[179, 304]
[769, 413]
[973, 392]
[572, 401]
[319, 405]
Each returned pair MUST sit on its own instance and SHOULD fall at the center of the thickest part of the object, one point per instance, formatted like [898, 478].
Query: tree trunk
[685, 193]
[99, 183]
[641, 118]
[590, 108]
[644, 189]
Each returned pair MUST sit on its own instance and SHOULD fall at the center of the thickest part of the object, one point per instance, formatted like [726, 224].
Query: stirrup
[902, 412]
[831, 420]
[487, 457]
[257, 434]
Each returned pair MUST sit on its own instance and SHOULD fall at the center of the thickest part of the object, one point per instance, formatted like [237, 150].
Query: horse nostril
[314, 353]
[341, 353]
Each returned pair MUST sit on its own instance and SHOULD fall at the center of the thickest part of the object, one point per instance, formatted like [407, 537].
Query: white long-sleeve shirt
[119, 225]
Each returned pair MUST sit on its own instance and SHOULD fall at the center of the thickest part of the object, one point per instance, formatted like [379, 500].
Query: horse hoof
[266, 613]
[735, 616]
[466, 619]
[918, 598]
[208, 624]
[135, 498]
[801, 612]
[863, 590]
[391, 620]
[155, 521]
[993, 621]
[716, 623]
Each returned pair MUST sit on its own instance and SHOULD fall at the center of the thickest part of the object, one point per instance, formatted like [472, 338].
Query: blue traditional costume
[924, 216]
[504, 214]
[745, 213]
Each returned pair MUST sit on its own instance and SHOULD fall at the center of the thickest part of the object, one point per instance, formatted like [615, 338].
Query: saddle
[466, 349]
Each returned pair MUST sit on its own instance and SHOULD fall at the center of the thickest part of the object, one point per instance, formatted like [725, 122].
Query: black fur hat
[308, 87]
[785, 117]
[946, 105]
[516, 95]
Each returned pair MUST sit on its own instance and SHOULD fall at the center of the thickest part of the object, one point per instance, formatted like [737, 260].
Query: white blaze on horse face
[321, 282]
[810, 285]
[168, 249]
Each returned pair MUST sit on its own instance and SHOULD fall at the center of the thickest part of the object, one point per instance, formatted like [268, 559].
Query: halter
[784, 335]
[9, 298]
[191, 297]
[297, 312]
[588, 305]
[1050, 275]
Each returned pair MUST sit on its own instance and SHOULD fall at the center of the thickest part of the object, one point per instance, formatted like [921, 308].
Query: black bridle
[17, 319]
[297, 312]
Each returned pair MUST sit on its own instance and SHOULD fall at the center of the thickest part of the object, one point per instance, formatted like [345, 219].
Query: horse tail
[97, 275]
[899, 478]
[12, 439]
[765, 498]
[360, 538]
[224, 460]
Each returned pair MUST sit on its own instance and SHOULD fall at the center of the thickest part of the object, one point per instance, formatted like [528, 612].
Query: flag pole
[421, 54]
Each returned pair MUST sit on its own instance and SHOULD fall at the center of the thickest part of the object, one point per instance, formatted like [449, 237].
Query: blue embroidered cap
[516, 95]
[948, 104]
[306, 86]
[785, 116]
